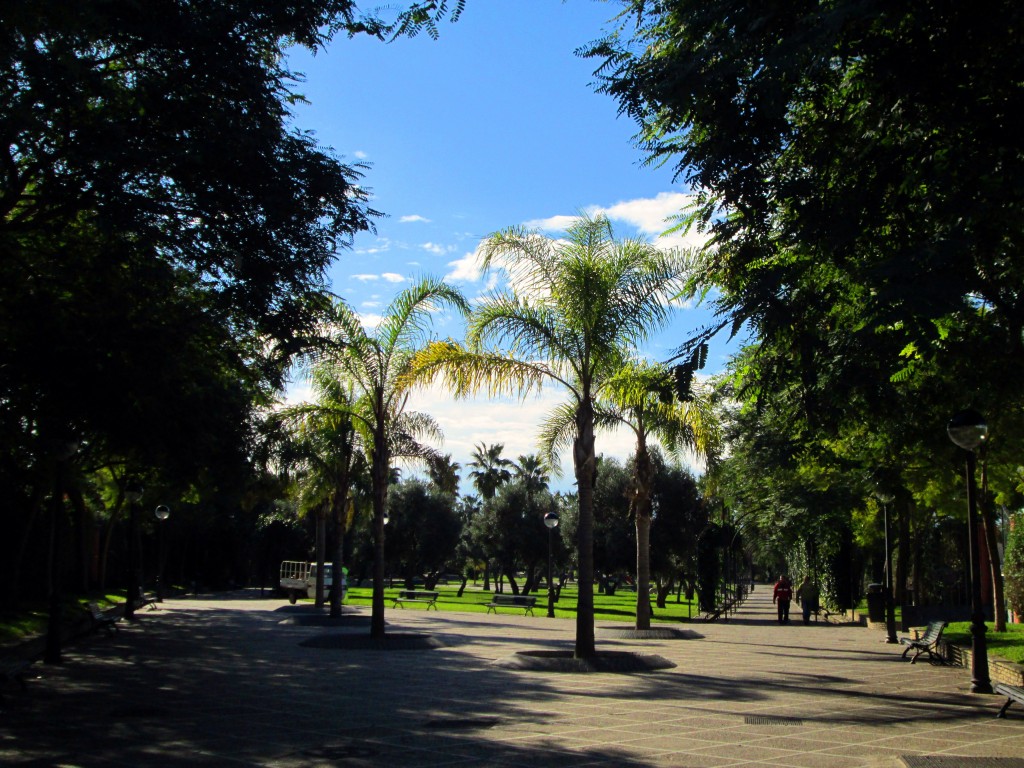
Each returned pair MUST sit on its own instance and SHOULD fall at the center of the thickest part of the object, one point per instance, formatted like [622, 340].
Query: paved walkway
[227, 681]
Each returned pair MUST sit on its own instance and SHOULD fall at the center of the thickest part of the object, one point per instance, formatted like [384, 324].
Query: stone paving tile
[216, 682]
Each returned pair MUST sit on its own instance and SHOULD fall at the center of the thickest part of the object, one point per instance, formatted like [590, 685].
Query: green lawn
[618, 607]
[16, 627]
[1008, 645]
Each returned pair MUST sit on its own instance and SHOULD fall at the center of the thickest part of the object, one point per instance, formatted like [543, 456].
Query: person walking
[807, 598]
[782, 595]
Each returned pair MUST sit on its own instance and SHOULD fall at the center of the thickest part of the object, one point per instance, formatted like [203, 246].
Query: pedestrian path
[236, 680]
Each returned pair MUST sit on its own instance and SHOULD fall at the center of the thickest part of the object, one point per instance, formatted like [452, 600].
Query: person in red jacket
[782, 595]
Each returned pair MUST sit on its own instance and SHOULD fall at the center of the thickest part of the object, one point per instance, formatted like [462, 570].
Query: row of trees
[434, 532]
[571, 314]
[165, 233]
[857, 170]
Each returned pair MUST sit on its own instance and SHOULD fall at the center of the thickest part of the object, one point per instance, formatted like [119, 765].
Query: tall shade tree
[377, 363]
[572, 309]
[490, 470]
[636, 398]
[859, 167]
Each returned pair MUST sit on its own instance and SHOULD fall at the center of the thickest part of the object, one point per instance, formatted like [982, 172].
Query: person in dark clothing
[782, 596]
[807, 598]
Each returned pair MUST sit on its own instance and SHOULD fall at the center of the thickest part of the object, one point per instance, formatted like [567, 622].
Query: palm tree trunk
[584, 460]
[339, 554]
[321, 547]
[380, 495]
[643, 570]
[643, 479]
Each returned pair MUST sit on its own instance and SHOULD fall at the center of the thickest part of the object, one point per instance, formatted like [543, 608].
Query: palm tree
[640, 397]
[444, 474]
[326, 444]
[573, 309]
[377, 364]
[534, 471]
[491, 469]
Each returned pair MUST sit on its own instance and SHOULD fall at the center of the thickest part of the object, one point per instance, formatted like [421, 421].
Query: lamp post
[551, 521]
[890, 604]
[162, 513]
[132, 494]
[968, 430]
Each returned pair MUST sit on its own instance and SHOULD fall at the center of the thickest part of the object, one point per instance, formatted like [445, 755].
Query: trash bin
[876, 602]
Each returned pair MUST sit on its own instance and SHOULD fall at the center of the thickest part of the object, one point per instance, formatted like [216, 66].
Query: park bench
[14, 670]
[926, 643]
[415, 596]
[1012, 693]
[150, 602]
[526, 602]
[101, 619]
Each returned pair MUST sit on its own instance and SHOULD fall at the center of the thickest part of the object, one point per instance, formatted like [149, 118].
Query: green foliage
[857, 166]
[423, 531]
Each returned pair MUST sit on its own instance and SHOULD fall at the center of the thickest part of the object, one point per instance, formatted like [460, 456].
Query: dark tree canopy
[164, 232]
[858, 164]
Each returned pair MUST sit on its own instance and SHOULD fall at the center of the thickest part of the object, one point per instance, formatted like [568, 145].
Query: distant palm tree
[325, 445]
[574, 310]
[491, 468]
[444, 474]
[534, 471]
[377, 364]
[640, 397]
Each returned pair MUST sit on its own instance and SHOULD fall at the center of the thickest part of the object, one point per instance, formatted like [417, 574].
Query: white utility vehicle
[298, 579]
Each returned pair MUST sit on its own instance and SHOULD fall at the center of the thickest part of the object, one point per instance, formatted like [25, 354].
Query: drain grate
[952, 761]
[771, 720]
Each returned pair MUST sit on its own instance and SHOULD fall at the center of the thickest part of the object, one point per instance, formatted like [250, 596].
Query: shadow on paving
[208, 687]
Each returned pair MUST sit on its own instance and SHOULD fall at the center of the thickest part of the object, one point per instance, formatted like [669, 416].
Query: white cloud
[649, 216]
[413, 218]
[365, 278]
[435, 248]
[370, 319]
[467, 269]
[551, 224]
[382, 245]
[359, 154]
[393, 277]
[512, 423]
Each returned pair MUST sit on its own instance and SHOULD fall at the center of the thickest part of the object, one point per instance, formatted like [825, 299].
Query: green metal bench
[1012, 693]
[927, 643]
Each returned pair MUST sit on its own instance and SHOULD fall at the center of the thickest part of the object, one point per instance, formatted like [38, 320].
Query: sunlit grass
[618, 607]
[32, 619]
[1008, 645]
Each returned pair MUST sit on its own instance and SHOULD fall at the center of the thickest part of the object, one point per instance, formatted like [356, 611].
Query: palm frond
[467, 372]
[557, 431]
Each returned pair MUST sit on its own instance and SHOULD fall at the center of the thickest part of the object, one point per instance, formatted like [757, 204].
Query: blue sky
[495, 124]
